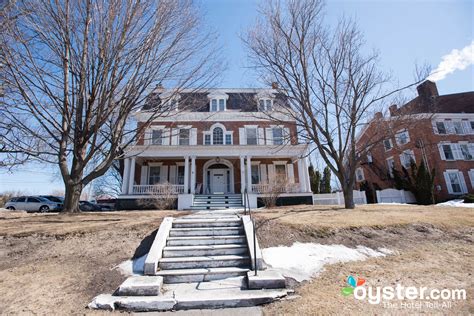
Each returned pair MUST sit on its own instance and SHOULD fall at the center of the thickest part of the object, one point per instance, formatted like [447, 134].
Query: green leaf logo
[347, 291]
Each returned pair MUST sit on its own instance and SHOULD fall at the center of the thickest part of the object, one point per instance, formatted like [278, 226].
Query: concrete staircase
[217, 202]
[204, 248]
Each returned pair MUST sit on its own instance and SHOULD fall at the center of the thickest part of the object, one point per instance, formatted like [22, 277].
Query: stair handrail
[247, 205]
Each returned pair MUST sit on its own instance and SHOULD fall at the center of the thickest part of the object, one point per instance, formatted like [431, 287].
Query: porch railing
[280, 188]
[158, 189]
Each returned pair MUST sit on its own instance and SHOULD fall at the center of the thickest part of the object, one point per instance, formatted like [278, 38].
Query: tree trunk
[348, 191]
[72, 197]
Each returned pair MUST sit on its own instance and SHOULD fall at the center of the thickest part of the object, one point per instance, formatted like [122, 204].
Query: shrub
[468, 198]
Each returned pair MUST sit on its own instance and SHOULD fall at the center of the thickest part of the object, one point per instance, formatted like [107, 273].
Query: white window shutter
[269, 136]
[435, 128]
[164, 174]
[462, 182]
[402, 159]
[441, 151]
[466, 126]
[263, 173]
[193, 136]
[287, 136]
[449, 127]
[471, 177]
[174, 136]
[144, 175]
[148, 135]
[448, 182]
[261, 136]
[166, 136]
[271, 173]
[457, 152]
[291, 173]
[172, 173]
[242, 136]
[470, 147]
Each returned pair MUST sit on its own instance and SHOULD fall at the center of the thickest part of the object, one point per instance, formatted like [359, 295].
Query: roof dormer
[265, 100]
[217, 101]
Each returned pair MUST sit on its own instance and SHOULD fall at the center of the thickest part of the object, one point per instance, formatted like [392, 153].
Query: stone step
[214, 202]
[191, 223]
[206, 231]
[206, 240]
[141, 286]
[200, 208]
[210, 250]
[220, 198]
[204, 262]
[217, 196]
[200, 275]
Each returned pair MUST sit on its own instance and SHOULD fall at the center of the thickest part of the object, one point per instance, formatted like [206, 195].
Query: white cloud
[456, 60]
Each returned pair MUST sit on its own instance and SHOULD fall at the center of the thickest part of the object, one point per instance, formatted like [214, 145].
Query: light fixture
[218, 159]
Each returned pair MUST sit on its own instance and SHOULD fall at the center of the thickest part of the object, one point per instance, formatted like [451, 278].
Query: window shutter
[435, 128]
[470, 147]
[287, 136]
[291, 173]
[261, 136]
[462, 182]
[471, 177]
[263, 174]
[148, 134]
[441, 152]
[174, 136]
[193, 136]
[271, 173]
[144, 175]
[466, 126]
[242, 136]
[457, 153]
[166, 136]
[448, 183]
[173, 172]
[269, 136]
[164, 174]
[449, 127]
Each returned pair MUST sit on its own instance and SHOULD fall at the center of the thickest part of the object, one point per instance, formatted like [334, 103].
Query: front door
[218, 181]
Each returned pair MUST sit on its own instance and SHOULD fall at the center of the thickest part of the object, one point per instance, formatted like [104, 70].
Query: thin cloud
[456, 60]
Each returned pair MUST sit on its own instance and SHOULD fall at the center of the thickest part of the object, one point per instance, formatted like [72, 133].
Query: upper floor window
[387, 143]
[157, 137]
[277, 136]
[369, 157]
[448, 152]
[441, 128]
[402, 137]
[455, 182]
[466, 153]
[359, 175]
[265, 105]
[218, 105]
[251, 136]
[407, 158]
[391, 166]
[218, 136]
[184, 136]
[457, 125]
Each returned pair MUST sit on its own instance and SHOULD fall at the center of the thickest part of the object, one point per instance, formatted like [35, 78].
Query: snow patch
[456, 203]
[302, 261]
[132, 267]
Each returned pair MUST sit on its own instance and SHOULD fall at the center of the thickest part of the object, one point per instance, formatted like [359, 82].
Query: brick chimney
[427, 90]
[378, 116]
[275, 85]
[393, 110]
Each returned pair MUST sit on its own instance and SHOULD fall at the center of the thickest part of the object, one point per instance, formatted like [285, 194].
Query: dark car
[87, 206]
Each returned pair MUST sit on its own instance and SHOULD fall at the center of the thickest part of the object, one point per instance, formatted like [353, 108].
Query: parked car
[56, 199]
[87, 206]
[32, 204]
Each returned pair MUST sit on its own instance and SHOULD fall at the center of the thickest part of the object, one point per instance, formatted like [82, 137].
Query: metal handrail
[247, 206]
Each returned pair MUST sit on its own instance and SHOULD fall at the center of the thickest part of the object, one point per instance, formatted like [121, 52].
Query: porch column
[306, 175]
[193, 174]
[126, 173]
[186, 175]
[132, 176]
[301, 176]
[249, 174]
[242, 174]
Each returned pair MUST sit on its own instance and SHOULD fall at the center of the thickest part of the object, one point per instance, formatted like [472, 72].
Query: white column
[132, 176]
[126, 174]
[249, 175]
[306, 175]
[242, 174]
[301, 177]
[193, 174]
[186, 175]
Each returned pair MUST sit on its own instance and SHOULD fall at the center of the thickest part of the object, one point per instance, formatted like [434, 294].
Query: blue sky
[404, 32]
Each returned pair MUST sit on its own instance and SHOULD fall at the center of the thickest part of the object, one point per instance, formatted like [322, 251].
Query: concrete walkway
[238, 311]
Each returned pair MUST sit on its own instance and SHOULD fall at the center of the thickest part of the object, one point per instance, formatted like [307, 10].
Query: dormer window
[265, 105]
[218, 105]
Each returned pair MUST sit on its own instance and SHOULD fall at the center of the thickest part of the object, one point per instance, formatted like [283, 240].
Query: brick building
[439, 130]
[216, 143]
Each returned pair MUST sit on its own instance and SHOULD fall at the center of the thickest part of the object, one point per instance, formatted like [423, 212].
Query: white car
[32, 204]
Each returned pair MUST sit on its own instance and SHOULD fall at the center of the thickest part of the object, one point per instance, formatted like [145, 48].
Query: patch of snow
[392, 203]
[132, 267]
[302, 261]
[456, 203]
[386, 251]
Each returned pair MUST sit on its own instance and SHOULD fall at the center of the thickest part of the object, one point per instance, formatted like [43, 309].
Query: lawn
[55, 264]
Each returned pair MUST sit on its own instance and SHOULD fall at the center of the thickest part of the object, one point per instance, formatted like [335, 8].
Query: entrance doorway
[219, 181]
[218, 177]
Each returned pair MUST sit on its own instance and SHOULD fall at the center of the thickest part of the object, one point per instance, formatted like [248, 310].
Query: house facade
[439, 131]
[216, 142]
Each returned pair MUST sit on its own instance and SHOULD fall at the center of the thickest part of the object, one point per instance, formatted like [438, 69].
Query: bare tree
[332, 86]
[79, 69]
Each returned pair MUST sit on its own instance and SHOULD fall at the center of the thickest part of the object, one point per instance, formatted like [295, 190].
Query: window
[465, 152]
[472, 126]
[265, 105]
[387, 144]
[154, 175]
[255, 174]
[406, 158]
[22, 199]
[370, 159]
[391, 166]
[359, 175]
[228, 139]
[218, 136]
[448, 152]
[280, 171]
[173, 105]
[251, 136]
[471, 177]
[214, 105]
[221, 105]
[33, 200]
[402, 138]
[184, 137]
[277, 136]
[458, 127]
[441, 128]
[455, 182]
[157, 137]
[207, 139]
[180, 174]
[217, 105]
